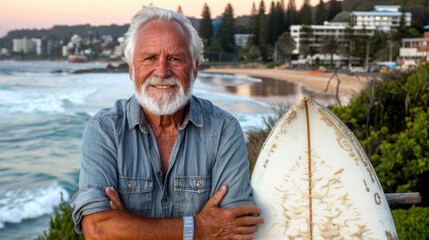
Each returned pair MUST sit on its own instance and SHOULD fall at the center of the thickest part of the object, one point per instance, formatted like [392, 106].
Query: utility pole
[367, 57]
[390, 50]
[426, 44]
[275, 52]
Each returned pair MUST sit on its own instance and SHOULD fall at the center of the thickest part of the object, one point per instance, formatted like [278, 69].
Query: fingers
[249, 220]
[115, 201]
[112, 205]
[226, 223]
[243, 237]
[246, 230]
[217, 197]
[246, 210]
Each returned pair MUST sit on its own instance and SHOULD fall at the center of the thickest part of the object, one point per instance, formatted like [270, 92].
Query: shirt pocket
[191, 194]
[136, 194]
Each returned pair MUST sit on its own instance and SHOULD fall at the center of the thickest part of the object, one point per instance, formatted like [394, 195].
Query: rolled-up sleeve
[98, 170]
[232, 168]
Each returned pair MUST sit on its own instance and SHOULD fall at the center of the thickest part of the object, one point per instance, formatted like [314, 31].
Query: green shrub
[272, 65]
[413, 223]
[390, 119]
[256, 136]
[61, 225]
[404, 160]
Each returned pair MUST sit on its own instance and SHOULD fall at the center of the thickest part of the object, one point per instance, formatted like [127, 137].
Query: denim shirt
[120, 150]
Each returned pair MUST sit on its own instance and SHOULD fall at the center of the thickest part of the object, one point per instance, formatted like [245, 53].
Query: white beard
[160, 103]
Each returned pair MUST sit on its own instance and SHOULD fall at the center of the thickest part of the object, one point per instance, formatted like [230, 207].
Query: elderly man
[164, 164]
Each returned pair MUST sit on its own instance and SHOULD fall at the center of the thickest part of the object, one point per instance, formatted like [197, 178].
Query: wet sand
[301, 83]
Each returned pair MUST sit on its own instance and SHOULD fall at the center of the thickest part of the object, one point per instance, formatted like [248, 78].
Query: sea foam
[18, 205]
[232, 78]
[41, 101]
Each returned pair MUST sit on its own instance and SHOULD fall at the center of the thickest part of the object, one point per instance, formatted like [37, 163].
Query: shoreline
[349, 87]
[307, 83]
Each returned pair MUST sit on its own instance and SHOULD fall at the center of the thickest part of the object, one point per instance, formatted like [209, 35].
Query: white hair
[149, 13]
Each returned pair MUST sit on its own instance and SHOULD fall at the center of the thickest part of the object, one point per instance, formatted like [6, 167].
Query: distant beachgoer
[164, 164]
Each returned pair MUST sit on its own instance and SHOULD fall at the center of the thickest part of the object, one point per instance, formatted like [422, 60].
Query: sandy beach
[350, 85]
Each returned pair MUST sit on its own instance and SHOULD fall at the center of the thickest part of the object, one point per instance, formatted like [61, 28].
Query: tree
[361, 43]
[226, 30]
[381, 43]
[272, 28]
[214, 47]
[401, 32]
[206, 26]
[330, 47]
[275, 22]
[249, 53]
[262, 31]
[280, 18]
[286, 44]
[349, 37]
[305, 13]
[254, 22]
[420, 13]
[305, 48]
[320, 13]
[334, 8]
[291, 15]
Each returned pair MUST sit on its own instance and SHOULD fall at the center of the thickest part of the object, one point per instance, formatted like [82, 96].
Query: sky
[31, 14]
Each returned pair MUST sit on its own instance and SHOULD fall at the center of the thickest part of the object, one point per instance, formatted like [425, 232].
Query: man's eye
[151, 58]
[175, 59]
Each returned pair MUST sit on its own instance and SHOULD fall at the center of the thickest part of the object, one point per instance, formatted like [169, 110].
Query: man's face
[163, 71]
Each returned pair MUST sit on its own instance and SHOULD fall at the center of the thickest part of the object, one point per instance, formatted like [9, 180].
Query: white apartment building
[383, 17]
[414, 50]
[314, 36]
[26, 45]
[241, 40]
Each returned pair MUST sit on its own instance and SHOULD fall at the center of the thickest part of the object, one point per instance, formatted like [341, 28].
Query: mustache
[160, 81]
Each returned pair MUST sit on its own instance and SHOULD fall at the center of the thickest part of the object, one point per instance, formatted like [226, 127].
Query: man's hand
[114, 200]
[218, 223]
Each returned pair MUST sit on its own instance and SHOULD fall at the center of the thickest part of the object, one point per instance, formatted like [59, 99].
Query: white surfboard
[313, 180]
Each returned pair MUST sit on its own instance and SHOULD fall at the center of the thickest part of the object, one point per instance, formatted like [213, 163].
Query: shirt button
[159, 173]
[199, 184]
[130, 185]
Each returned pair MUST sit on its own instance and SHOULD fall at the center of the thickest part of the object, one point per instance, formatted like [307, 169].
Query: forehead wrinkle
[157, 32]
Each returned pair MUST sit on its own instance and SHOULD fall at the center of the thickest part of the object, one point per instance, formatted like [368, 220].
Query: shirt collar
[135, 115]
[194, 114]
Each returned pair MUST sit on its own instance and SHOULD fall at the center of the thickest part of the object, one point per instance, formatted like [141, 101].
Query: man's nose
[162, 70]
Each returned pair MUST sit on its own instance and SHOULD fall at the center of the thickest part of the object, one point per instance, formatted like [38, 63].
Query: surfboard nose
[312, 180]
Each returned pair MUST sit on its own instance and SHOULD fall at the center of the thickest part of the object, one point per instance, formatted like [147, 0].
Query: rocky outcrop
[121, 68]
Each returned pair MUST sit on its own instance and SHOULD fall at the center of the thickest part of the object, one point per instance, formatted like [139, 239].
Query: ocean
[43, 111]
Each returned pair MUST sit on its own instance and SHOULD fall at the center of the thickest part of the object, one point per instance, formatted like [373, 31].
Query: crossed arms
[211, 223]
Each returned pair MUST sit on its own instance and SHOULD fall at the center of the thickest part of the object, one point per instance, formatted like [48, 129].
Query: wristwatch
[188, 228]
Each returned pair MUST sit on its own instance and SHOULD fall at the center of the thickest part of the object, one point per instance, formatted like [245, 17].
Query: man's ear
[197, 63]
[130, 72]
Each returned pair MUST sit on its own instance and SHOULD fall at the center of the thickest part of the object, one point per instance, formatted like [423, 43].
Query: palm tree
[330, 46]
